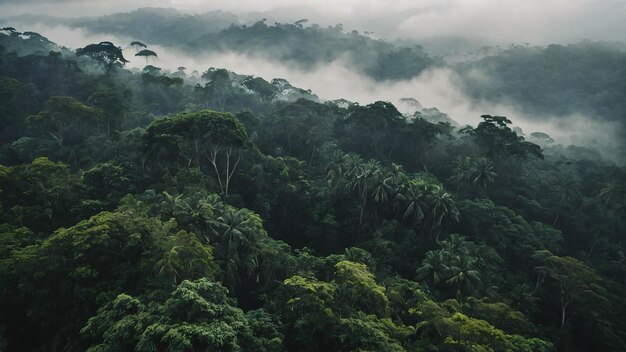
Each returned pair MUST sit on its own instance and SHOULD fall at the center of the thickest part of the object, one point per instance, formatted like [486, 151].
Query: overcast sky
[494, 21]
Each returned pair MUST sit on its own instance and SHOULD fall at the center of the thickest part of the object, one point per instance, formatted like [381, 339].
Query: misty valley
[247, 180]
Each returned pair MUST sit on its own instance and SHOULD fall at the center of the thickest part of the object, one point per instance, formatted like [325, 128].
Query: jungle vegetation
[139, 212]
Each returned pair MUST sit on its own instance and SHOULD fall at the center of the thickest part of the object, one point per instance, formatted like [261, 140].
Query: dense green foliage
[587, 78]
[141, 213]
[315, 45]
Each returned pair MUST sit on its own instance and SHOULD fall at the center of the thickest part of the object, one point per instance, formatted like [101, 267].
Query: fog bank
[491, 21]
[432, 88]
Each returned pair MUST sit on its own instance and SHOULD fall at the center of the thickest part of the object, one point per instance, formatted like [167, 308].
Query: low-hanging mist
[435, 87]
[494, 22]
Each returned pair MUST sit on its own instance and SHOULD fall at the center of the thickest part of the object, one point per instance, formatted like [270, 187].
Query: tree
[42, 195]
[568, 191]
[411, 201]
[468, 334]
[78, 266]
[499, 141]
[484, 173]
[239, 234]
[106, 54]
[113, 104]
[575, 280]
[262, 87]
[185, 257]
[65, 118]
[463, 171]
[434, 268]
[447, 328]
[146, 54]
[464, 273]
[371, 130]
[360, 182]
[15, 101]
[137, 45]
[180, 72]
[349, 313]
[193, 138]
[219, 86]
[150, 69]
[442, 208]
[357, 289]
[197, 315]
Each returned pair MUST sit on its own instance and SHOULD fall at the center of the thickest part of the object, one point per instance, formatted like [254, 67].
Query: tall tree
[190, 139]
[146, 54]
[106, 54]
[498, 140]
[575, 280]
[65, 118]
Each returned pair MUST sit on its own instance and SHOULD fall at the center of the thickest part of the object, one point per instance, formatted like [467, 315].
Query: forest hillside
[163, 210]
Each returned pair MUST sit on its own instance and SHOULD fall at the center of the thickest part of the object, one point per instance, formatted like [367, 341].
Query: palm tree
[463, 171]
[455, 244]
[410, 201]
[360, 181]
[398, 176]
[567, 190]
[382, 185]
[238, 233]
[464, 273]
[483, 172]
[613, 193]
[434, 267]
[169, 263]
[476, 171]
[169, 202]
[196, 211]
[336, 170]
[442, 208]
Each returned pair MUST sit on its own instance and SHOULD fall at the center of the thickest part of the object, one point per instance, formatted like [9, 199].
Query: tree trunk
[213, 160]
[229, 172]
[563, 310]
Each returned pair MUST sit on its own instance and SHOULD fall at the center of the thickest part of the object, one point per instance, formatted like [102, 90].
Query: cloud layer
[531, 21]
[433, 88]
[491, 21]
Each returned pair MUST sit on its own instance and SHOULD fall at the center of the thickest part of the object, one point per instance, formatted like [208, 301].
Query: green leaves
[65, 118]
[371, 130]
[41, 195]
[105, 53]
[391, 193]
[350, 312]
[499, 141]
[576, 281]
[457, 265]
[309, 294]
[357, 288]
[197, 315]
[239, 238]
[184, 256]
[195, 139]
[468, 334]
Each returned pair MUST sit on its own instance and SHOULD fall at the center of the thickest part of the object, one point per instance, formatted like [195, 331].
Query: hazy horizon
[433, 88]
[486, 21]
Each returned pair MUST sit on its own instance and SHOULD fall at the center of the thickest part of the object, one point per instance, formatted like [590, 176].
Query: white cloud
[432, 88]
[496, 21]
